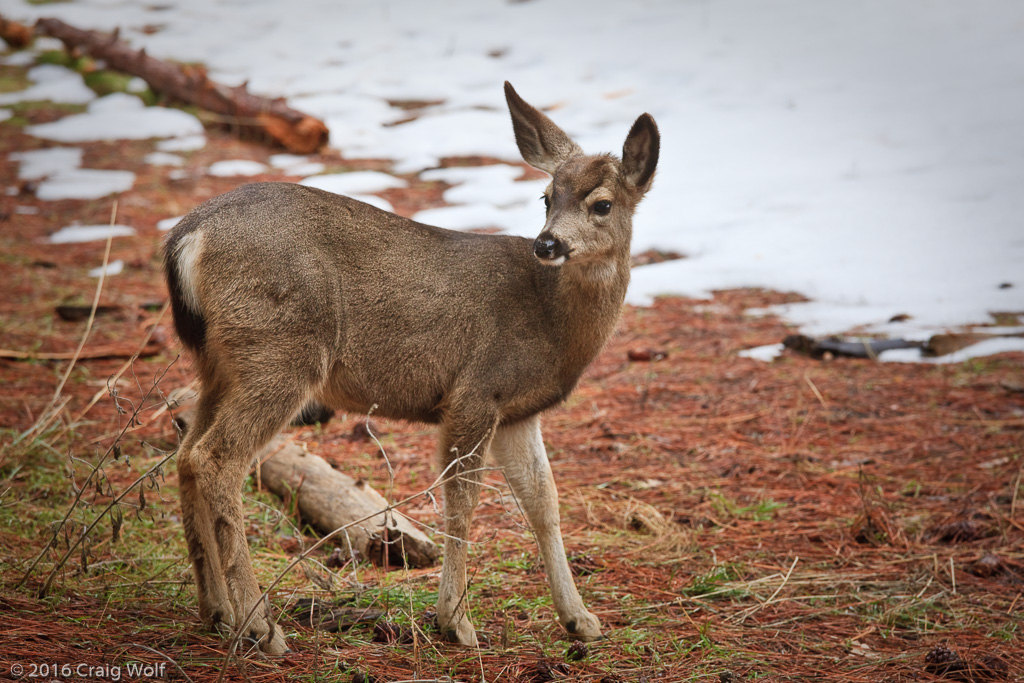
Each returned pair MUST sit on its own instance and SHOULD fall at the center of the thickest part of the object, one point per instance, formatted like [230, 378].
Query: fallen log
[328, 499]
[937, 345]
[865, 348]
[14, 34]
[296, 131]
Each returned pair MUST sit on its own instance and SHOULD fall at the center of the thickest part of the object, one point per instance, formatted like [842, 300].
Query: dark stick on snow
[298, 132]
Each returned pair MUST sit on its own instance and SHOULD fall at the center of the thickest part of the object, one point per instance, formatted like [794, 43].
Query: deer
[286, 295]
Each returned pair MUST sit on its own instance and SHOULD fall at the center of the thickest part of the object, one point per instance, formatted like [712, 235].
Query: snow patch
[119, 116]
[988, 347]
[495, 184]
[84, 183]
[355, 182]
[89, 233]
[374, 200]
[236, 167]
[52, 83]
[187, 143]
[39, 163]
[168, 223]
[113, 268]
[293, 164]
[164, 159]
[766, 353]
[524, 221]
[19, 58]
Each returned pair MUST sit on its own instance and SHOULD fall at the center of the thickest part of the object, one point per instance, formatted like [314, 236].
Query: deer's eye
[547, 201]
[603, 207]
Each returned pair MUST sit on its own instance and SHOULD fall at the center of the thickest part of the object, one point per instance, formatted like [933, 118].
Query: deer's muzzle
[549, 250]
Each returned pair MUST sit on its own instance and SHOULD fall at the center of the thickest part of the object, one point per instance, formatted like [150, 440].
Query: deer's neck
[589, 301]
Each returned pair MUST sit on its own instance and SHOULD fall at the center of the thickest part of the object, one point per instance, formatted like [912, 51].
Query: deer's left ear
[640, 154]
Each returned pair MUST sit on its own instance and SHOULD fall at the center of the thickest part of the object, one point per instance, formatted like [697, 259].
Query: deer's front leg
[463, 444]
[519, 450]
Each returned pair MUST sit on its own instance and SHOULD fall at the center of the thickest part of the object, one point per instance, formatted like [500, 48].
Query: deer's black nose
[546, 248]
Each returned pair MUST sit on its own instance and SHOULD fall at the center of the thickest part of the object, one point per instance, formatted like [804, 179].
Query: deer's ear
[640, 154]
[542, 144]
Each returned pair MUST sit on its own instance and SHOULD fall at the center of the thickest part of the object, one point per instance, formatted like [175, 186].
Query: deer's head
[591, 198]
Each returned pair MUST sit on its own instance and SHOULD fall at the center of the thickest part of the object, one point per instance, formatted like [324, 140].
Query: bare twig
[88, 328]
[74, 504]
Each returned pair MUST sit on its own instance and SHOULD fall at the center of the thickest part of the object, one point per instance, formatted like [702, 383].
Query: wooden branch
[298, 132]
[869, 348]
[14, 34]
[328, 499]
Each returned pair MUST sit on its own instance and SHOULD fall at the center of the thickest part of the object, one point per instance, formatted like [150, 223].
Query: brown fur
[286, 293]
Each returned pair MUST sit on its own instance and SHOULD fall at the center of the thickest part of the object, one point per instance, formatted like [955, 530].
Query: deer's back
[397, 311]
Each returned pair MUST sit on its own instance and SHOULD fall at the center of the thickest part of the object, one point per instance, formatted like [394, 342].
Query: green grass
[713, 584]
[761, 511]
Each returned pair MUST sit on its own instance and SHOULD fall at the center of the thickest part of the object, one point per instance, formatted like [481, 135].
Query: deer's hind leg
[253, 407]
[212, 593]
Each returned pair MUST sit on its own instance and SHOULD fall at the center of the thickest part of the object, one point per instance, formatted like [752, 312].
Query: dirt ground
[727, 519]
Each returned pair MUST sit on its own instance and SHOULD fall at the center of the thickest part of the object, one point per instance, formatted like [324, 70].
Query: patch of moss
[103, 82]
[13, 80]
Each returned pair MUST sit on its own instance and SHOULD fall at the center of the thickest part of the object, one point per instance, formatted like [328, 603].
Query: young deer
[287, 294]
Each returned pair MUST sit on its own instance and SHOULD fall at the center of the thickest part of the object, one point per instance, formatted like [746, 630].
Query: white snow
[168, 223]
[89, 233]
[522, 220]
[766, 353]
[113, 268]
[119, 116]
[487, 196]
[354, 182]
[374, 200]
[867, 154]
[293, 164]
[63, 177]
[137, 85]
[988, 347]
[236, 167]
[186, 143]
[5, 114]
[53, 83]
[84, 183]
[19, 58]
[39, 163]
[164, 159]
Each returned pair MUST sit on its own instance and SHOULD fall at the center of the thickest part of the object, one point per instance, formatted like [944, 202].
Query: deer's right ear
[542, 144]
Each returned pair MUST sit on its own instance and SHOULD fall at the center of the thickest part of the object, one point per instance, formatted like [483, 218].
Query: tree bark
[298, 132]
[14, 34]
[329, 499]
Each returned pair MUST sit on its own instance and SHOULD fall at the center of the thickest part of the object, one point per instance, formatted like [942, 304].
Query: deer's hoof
[583, 627]
[462, 634]
[273, 642]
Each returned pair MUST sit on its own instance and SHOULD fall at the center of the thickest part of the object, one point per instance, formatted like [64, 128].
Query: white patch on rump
[186, 255]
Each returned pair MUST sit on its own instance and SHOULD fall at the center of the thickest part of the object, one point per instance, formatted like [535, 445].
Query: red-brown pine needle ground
[728, 519]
